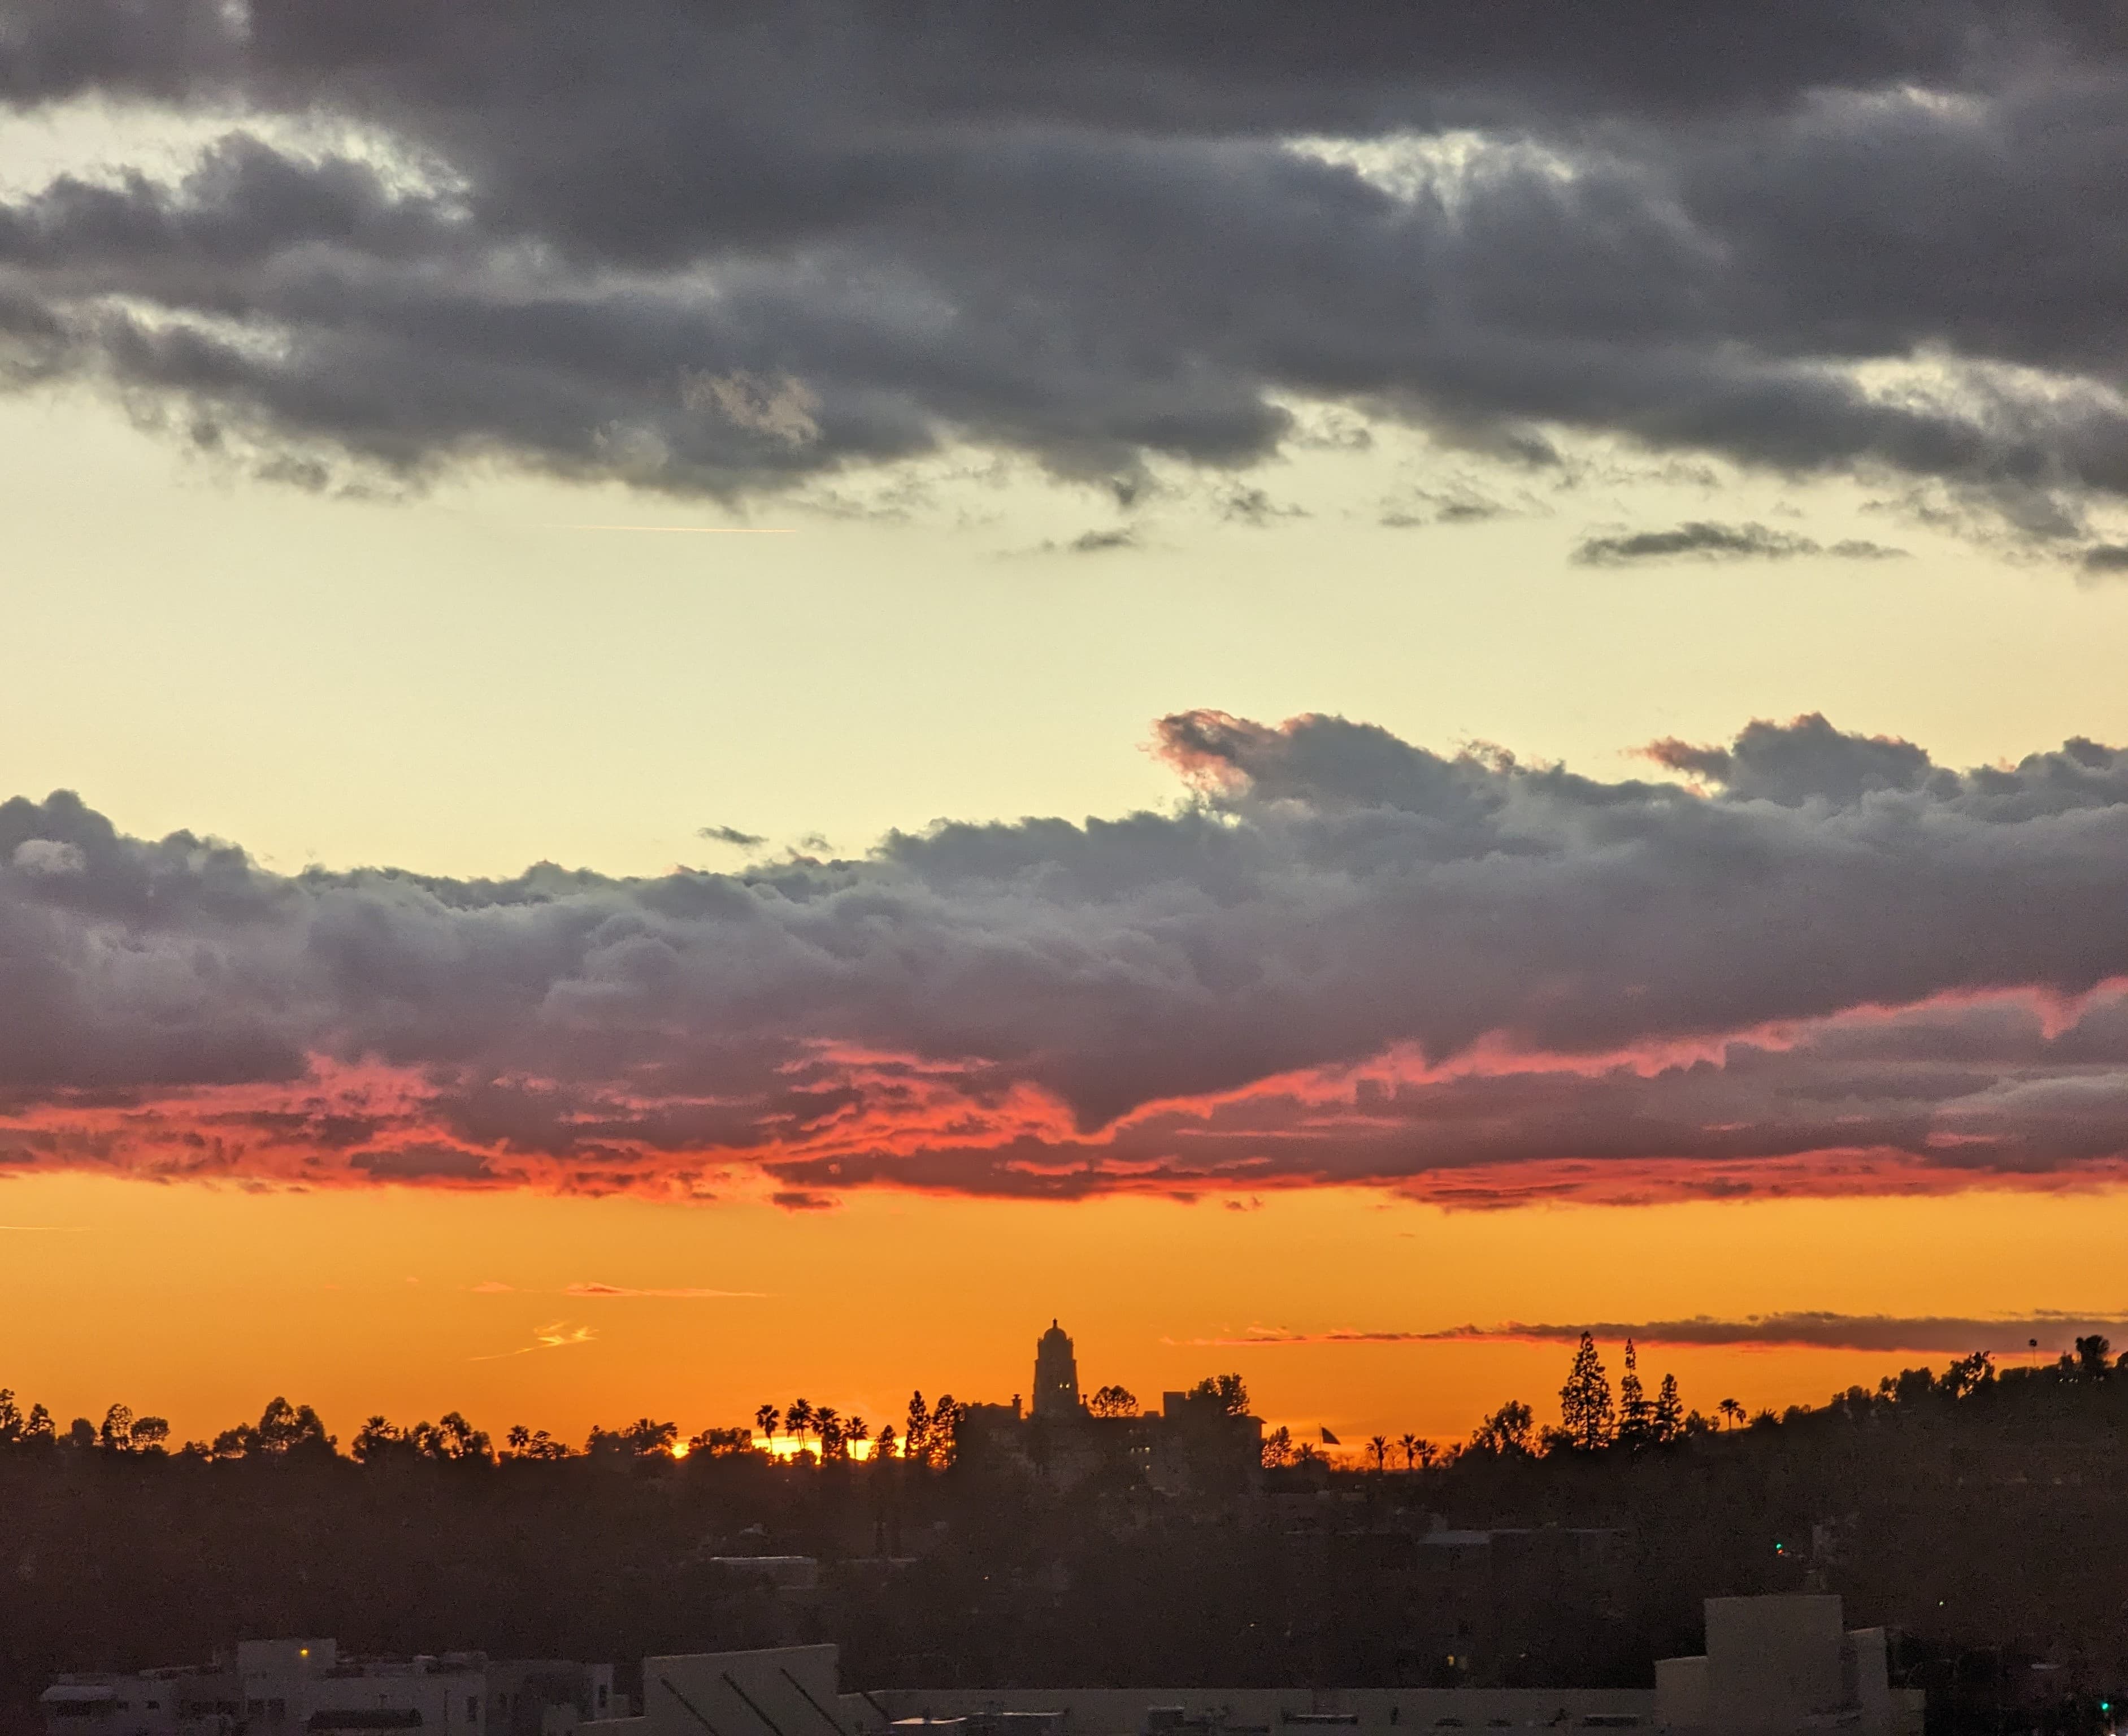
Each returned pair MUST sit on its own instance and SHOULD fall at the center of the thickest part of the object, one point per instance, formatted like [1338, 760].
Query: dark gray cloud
[1943, 1334]
[422, 1163]
[2106, 559]
[707, 251]
[1098, 542]
[1793, 762]
[731, 834]
[1345, 958]
[1704, 539]
[1255, 507]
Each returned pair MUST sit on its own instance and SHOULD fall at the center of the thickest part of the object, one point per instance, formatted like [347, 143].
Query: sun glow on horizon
[788, 1449]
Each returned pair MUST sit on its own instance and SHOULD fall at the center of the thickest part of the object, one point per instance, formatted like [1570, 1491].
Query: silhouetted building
[1194, 1446]
[1056, 1375]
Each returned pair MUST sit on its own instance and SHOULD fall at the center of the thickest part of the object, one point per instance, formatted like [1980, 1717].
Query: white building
[1779, 1665]
[282, 1687]
[785, 1573]
[1773, 1666]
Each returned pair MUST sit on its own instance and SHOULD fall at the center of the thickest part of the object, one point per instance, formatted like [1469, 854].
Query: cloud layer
[712, 252]
[1701, 540]
[1343, 959]
[2048, 1330]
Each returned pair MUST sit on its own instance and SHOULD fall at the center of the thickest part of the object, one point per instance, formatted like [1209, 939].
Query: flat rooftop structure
[1249, 1711]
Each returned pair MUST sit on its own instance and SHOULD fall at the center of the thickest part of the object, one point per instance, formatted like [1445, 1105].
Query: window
[473, 1709]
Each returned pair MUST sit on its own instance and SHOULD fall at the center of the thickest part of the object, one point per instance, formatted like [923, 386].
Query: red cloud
[1953, 1092]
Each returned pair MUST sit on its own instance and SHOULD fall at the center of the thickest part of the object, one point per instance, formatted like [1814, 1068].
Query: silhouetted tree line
[1976, 1509]
[1591, 1421]
[284, 1430]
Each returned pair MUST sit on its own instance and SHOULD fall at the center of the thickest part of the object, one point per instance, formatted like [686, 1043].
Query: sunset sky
[706, 707]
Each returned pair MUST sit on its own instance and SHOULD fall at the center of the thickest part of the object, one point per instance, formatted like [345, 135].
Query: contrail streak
[559, 1336]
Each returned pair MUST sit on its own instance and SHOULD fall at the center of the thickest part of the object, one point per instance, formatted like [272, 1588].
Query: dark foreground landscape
[1979, 1515]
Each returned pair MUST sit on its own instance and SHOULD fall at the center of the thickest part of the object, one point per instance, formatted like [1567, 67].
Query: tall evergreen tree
[1668, 1421]
[1635, 1417]
[1584, 1401]
[945, 1431]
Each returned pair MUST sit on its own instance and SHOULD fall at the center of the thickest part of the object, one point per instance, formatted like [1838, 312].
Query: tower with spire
[1056, 1375]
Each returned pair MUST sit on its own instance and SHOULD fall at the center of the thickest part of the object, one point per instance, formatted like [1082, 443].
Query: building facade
[282, 1687]
[1774, 1666]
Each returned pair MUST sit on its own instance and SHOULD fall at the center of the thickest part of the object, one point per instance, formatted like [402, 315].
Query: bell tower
[1055, 1374]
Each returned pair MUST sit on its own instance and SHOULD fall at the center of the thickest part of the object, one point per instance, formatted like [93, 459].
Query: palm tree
[766, 1420]
[797, 1418]
[856, 1428]
[827, 1424]
[1427, 1453]
[1379, 1446]
[1410, 1443]
[1732, 1412]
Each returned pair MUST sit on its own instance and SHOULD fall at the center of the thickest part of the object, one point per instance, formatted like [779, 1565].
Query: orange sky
[200, 1302]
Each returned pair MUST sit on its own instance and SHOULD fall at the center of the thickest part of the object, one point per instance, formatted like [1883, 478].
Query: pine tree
[916, 1438]
[1668, 1421]
[1584, 1401]
[1635, 1423]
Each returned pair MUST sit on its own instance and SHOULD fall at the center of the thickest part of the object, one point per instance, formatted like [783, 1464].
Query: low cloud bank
[2046, 1332]
[1835, 966]
[1704, 539]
